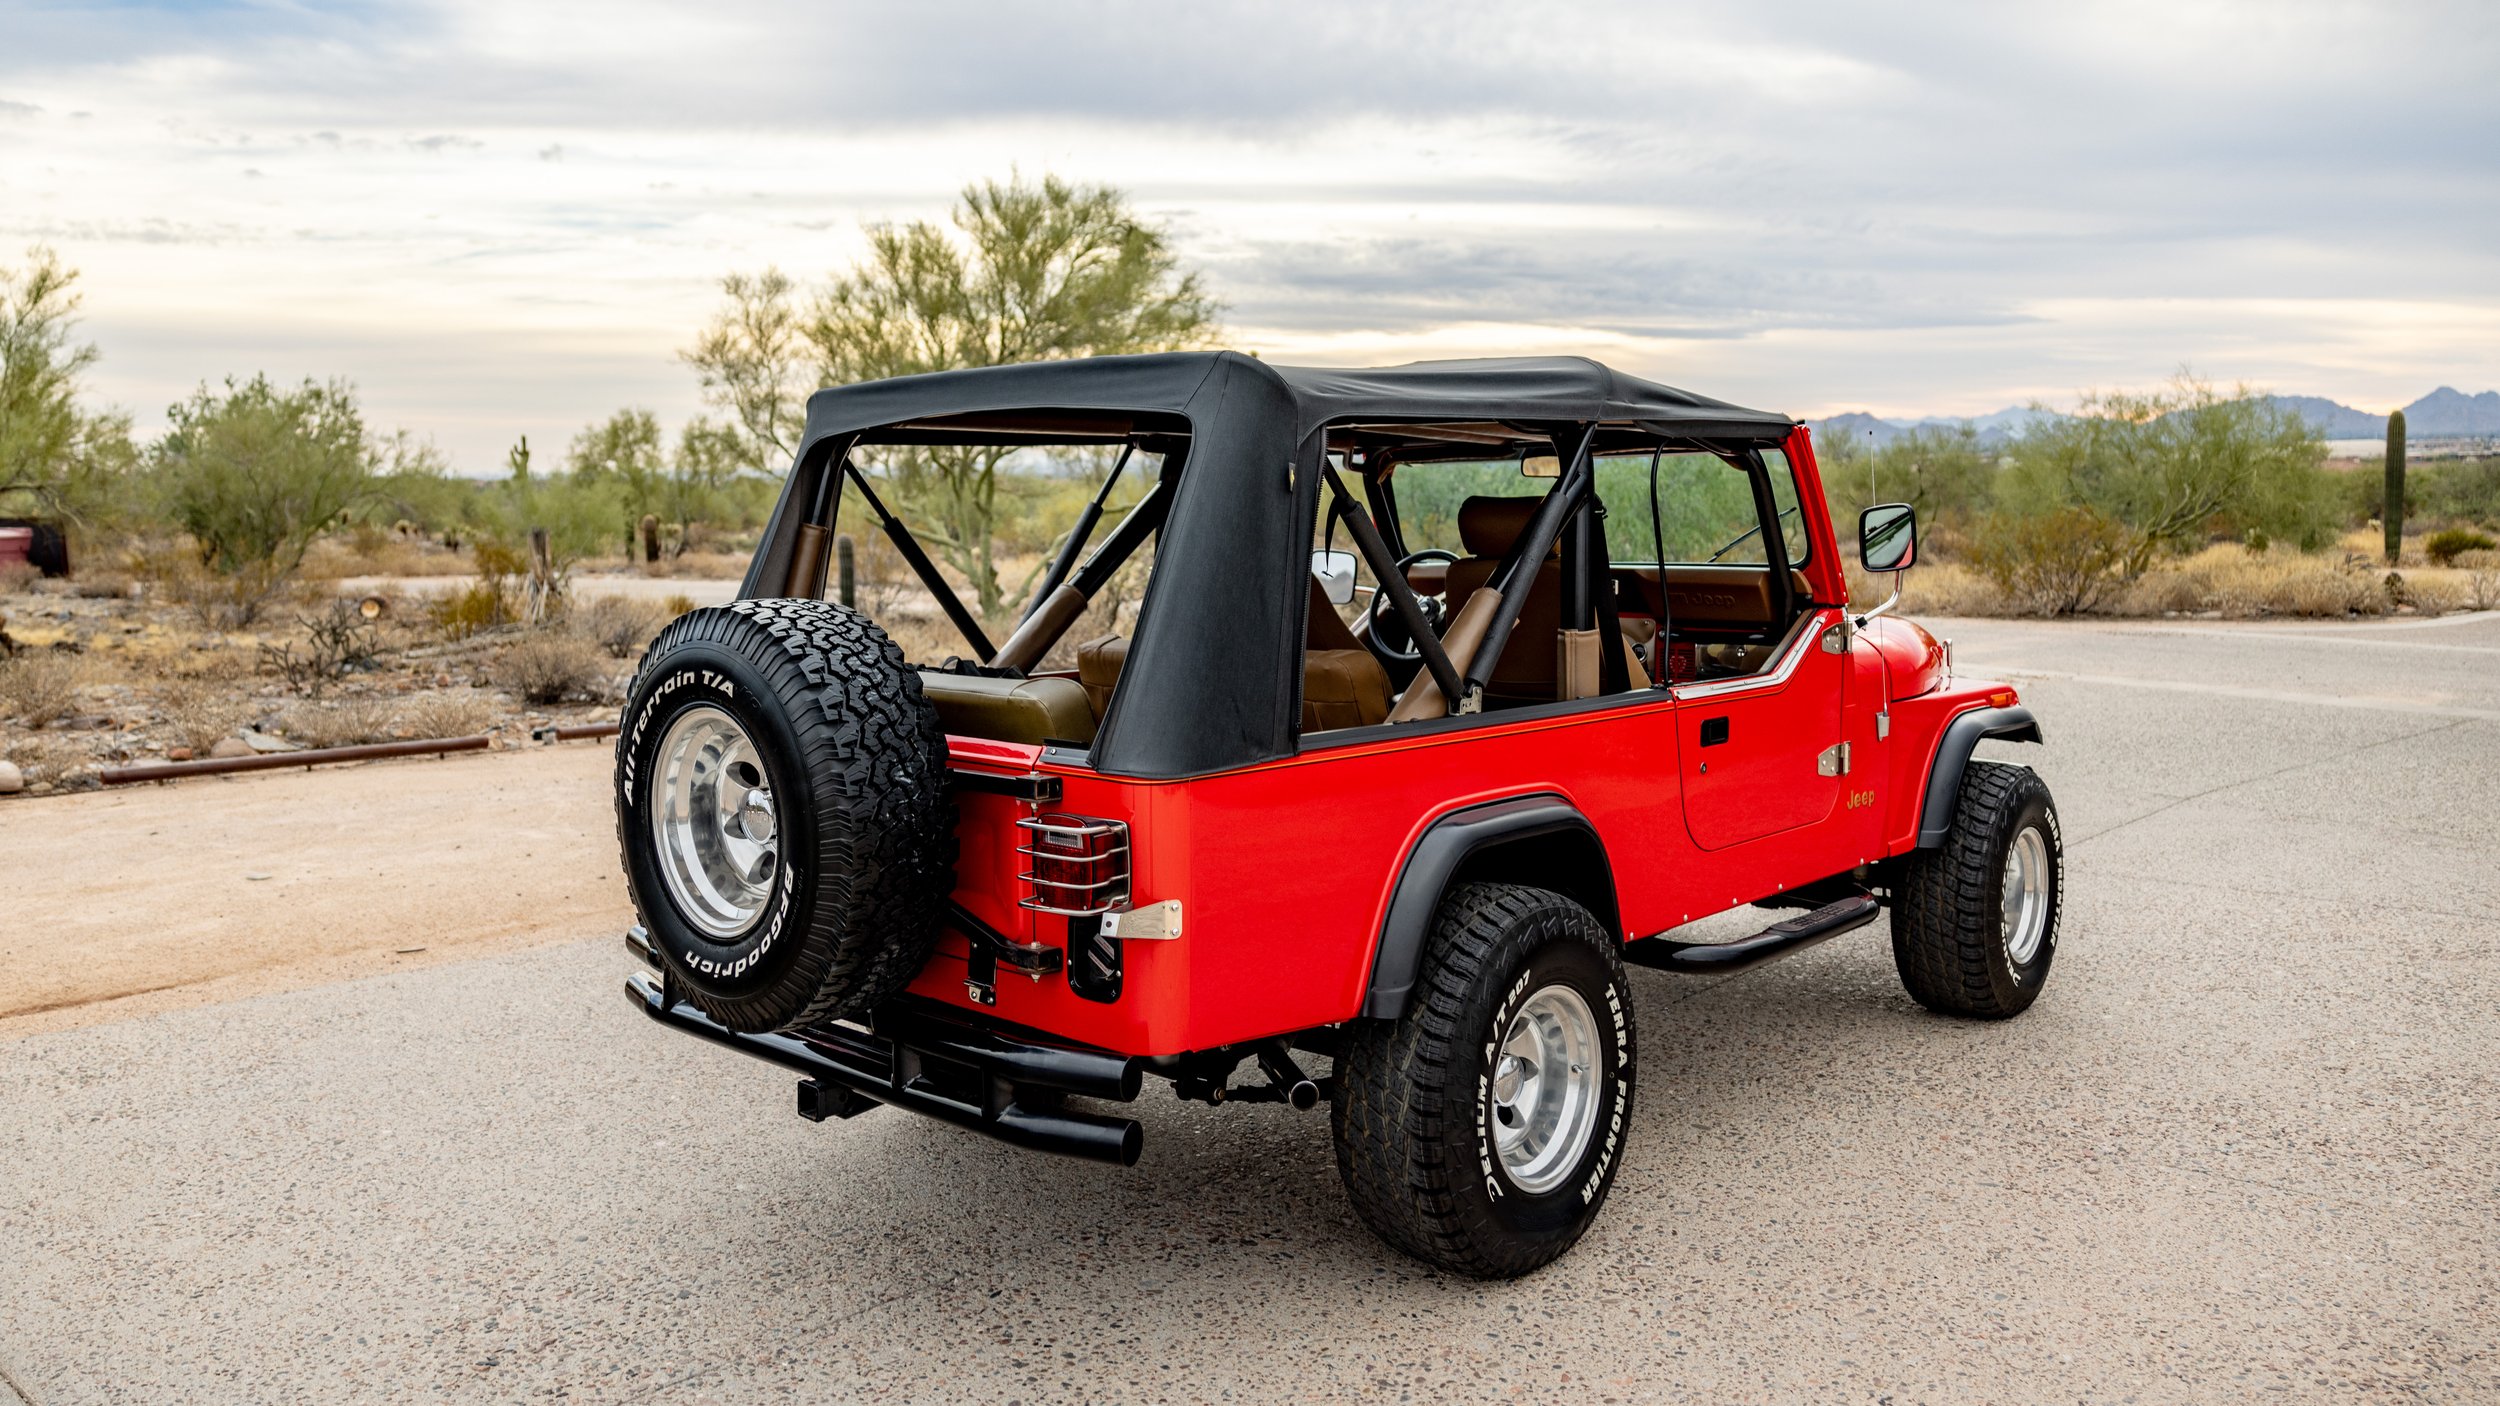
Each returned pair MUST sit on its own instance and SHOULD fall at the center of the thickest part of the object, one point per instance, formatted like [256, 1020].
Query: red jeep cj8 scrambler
[1606, 684]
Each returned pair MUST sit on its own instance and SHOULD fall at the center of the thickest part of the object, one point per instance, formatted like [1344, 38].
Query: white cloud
[502, 218]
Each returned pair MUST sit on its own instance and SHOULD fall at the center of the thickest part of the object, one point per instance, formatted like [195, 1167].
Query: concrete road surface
[2243, 1148]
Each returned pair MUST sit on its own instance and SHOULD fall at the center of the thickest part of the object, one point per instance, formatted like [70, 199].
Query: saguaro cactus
[650, 537]
[845, 571]
[2394, 516]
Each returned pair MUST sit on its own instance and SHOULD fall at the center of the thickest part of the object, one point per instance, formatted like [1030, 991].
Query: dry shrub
[1941, 588]
[54, 760]
[16, 576]
[618, 624]
[462, 714]
[676, 603]
[550, 666]
[338, 641]
[482, 605]
[2060, 563]
[2444, 547]
[2482, 579]
[107, 584]
[40, 685]
[2235, 581]
[341, 722]
[2434, 595]
[200, 713]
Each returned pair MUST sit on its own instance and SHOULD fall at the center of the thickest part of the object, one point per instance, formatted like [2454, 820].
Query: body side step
[1770, 944]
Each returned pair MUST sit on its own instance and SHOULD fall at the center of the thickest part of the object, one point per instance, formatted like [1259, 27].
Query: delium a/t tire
[781, 804]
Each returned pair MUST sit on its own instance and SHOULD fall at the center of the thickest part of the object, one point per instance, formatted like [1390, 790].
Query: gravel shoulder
[131, 902]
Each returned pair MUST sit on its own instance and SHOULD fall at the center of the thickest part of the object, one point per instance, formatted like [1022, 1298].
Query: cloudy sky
[502, 218]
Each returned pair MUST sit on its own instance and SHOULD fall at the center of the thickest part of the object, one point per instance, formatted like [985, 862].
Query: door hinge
[1836, 639]
[1832, 760]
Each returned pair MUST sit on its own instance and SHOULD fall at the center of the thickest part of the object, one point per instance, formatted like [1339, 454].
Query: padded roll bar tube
[1054, 613]
[806, 580]
[922, 567]
[1535, 540]
[1078, 535]
[1367, 540]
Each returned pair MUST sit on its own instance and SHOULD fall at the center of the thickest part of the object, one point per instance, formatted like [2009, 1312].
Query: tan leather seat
[1530, 669]
[1342, 684]
[1527, 671]
[1032, 711]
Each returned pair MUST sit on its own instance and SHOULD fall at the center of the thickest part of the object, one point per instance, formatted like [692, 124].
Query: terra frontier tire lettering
[1481, 1131]
[781, 807]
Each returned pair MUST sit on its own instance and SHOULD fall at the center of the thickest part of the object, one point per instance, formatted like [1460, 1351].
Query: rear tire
[1481, 1131]
[1974, 921]
[781, 805]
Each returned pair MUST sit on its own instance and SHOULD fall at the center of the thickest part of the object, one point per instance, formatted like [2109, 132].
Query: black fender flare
[1438, 856]
[1962, 736]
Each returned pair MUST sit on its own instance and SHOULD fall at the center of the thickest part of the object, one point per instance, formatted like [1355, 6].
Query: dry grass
[2229, 581]
[621, 626]
[201, 712]
[17, 576]
[339, 722]
[53, 761]
[2235, 581]
[551, 666]
[377, 551]
[41, 685]
[2482, 579]
[461, 714]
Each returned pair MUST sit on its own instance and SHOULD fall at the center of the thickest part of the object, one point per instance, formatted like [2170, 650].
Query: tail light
[1075, 865]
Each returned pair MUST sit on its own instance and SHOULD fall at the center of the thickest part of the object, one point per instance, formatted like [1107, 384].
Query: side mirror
[1888, 537]
[1335, 571]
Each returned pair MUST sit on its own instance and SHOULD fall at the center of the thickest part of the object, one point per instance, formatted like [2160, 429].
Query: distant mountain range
[2445, 413]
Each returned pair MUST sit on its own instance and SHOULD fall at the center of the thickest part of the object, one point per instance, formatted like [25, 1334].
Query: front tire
[1481, 1131]
[1974, 921]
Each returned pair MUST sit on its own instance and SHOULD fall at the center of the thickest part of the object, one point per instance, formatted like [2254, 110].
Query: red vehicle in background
[1454, 688]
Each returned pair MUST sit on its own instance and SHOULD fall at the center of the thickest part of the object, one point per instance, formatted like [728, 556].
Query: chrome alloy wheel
[2023, 905]
[1545, 1089]
[712, 822]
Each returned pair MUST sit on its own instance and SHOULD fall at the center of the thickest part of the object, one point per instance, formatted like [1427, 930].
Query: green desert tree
[56, 459]
[625, 453]
[2176, 467]
[1024, 271]
[255, 473]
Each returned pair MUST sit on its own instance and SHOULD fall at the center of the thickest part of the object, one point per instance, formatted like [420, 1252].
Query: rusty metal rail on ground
[277, 761]
[573, 732]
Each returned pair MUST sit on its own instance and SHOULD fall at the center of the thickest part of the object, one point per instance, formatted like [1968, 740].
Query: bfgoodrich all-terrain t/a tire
[1481, 1130]
[1974, 921]
[781, 804]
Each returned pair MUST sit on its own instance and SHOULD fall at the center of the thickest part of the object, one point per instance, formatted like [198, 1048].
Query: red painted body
[1285, 869]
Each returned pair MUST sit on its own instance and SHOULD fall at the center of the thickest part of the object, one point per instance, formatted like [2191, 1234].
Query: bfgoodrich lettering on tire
[781, 806]
[1974, 921]
[1482, 1130]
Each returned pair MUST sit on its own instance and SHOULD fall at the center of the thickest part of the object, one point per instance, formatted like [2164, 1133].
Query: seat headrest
[1487, 525]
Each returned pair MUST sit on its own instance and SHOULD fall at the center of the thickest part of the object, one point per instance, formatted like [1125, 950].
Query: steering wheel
[1386, 636]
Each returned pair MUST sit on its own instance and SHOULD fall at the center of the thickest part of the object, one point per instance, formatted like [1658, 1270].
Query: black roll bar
[922, 567]
[1065, 561]
[1525, 554]
[1367, 540]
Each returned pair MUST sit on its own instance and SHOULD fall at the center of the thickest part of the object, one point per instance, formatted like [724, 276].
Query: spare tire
[781, 803]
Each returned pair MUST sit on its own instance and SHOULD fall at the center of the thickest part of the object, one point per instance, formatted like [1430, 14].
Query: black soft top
[1217, 652]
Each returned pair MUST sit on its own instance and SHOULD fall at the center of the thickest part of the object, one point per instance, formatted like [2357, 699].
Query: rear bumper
[920, 1058]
